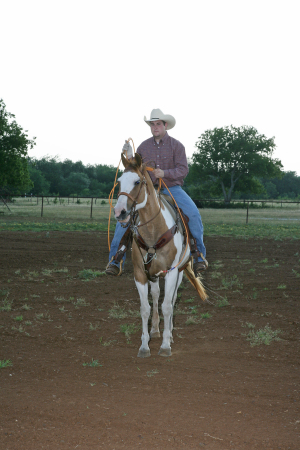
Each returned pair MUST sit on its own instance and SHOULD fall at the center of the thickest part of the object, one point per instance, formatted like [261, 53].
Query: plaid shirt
[169, 155]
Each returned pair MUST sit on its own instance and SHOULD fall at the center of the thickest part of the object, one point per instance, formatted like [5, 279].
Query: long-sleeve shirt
[169, 155]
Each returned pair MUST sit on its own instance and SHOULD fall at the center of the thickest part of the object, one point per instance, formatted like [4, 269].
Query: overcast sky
[81, 75]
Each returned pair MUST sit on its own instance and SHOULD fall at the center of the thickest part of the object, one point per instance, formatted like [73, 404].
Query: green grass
[106, 343]
[4, 292]
[5, 363]
[89, 274]
[189, 300]
[93, 363]
[119, 312]
[263, 336]
[26, 307]
[6, 305]
[94, 327]
[80, 302]
[19, 319]
[128, 329]
[273, 223]
[151, 373]
[231, 282]
[22, 225]
[222, 302]
[205, 316]
[192, 320]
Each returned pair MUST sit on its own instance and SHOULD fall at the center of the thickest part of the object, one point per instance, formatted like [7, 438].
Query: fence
[92, 201]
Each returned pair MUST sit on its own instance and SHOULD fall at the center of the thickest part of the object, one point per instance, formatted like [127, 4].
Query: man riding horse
[170, 161]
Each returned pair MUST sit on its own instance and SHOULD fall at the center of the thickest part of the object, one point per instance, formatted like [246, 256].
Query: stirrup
[120, 268]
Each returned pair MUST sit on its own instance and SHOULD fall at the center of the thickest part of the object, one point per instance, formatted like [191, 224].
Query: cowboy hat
[157, 114]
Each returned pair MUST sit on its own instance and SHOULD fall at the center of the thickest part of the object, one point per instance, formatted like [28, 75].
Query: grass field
[25, 214]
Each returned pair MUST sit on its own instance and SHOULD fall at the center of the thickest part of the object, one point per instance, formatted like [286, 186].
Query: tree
[289, 185]
[76, 183]
[40, 184]
[234, 158]
[14, 146]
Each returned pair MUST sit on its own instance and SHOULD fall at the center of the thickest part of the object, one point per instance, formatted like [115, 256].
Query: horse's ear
[124, 160]
[138, 159]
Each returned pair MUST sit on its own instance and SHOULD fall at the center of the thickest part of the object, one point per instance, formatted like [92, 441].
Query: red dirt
[214, 392]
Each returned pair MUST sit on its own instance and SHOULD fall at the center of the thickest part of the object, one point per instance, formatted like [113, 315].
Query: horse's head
[132, 188]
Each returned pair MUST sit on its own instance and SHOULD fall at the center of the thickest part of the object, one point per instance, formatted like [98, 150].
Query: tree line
[229, 163]
[53, 177]
[67, 178]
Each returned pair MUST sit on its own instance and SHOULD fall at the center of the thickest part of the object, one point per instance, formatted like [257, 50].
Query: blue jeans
[188, 207]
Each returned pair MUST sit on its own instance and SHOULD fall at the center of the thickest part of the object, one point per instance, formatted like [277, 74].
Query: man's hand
[158, 173]
[127, 150]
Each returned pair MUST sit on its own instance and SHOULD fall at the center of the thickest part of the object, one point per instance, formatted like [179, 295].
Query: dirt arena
[215, 392]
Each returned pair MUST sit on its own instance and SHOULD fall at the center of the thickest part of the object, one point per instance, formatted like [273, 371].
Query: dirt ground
[215, 392]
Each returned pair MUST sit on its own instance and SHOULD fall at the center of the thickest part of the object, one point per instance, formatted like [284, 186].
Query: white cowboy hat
[157, 114]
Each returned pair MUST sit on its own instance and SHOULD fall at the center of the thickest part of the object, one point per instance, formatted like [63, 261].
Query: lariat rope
[111, 196]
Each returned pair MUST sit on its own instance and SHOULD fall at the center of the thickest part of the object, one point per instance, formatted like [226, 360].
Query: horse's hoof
[165, 352]
[155, 334]
[144, 353]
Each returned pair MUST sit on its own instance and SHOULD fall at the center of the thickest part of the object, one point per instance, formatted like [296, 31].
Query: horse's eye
[137, 182]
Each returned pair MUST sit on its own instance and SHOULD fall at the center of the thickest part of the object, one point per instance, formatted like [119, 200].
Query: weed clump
[263, 336]
[231, 282]
[5, 363]
[89, 274]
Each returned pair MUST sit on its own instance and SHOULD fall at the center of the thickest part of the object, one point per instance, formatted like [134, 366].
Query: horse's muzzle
[123, 216]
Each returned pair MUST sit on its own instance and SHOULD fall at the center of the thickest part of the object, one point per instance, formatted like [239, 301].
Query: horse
[157, 248]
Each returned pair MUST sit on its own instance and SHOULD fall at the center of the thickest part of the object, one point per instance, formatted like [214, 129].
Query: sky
[81, 75]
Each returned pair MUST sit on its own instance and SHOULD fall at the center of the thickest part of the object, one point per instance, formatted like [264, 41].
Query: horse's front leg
[172, 281]
[154, 333]
[144, 350]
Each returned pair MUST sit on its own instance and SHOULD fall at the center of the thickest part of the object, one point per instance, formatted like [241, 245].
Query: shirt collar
[163, 140]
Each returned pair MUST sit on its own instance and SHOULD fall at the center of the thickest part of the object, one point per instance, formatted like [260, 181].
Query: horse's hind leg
[154, 333]
[144, 350]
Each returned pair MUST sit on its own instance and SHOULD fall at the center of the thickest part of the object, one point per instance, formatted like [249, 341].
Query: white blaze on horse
[157, 248]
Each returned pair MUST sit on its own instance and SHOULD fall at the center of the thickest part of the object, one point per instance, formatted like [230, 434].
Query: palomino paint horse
[155, 225]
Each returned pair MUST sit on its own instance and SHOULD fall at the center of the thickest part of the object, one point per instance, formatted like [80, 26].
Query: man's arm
[181, 168]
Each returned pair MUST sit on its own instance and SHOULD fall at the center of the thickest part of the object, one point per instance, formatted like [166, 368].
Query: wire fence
[91, 207]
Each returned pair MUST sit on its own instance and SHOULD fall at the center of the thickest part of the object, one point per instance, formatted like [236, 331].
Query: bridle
[135, 202]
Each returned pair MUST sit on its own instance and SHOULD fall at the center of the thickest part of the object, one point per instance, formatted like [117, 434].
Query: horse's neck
[152, 215]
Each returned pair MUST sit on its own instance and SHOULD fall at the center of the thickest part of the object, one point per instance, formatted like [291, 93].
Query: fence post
[42, 206]
[92, 207]
[247, 212]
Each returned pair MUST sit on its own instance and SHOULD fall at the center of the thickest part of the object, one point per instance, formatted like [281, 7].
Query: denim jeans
[188, 207]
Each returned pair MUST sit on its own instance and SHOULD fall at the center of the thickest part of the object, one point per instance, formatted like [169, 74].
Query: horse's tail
[196, 282]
